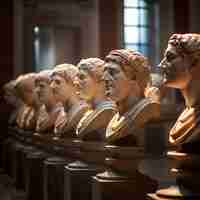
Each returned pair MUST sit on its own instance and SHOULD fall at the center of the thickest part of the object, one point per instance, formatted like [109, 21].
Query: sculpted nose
[52, 84]
[162, 63]
[163, 66]
[36, 90]
[107, 76]
[77, 83]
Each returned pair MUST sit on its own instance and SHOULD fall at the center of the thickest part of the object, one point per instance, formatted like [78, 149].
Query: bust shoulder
[187, 127]
[122, 125]
[96, 119]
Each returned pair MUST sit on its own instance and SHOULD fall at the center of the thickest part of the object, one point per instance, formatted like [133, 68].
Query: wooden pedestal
[122, 180]
[17, 165]
[78, 178]
[112, 186]
[155, 197]
[186, 170]
[54, 178]
[22, 165]
[34, 175]
[6, 155]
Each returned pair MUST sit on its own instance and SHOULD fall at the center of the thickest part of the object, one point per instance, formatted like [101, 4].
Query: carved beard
[167, 73]
[109, 89]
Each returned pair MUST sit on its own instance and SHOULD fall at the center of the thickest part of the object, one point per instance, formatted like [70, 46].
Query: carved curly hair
[94, 66]
[187, 45]
[44, 75]
[67, 71]
[133, 63]
[25, 82]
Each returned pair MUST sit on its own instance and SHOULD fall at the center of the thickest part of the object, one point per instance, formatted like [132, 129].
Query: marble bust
[64, 85]
[180, 68]
[92, 88]
[50, 107]
[25, 88]
[10, 96]
[126, 75]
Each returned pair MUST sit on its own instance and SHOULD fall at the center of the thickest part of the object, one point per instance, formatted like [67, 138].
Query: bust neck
[191, 93]
[99, 97]
[74, 99]
[51, 105]
[128, 103]
[36, 106]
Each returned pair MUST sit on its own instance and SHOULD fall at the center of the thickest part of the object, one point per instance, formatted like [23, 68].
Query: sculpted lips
[166, 72]
[109, 88]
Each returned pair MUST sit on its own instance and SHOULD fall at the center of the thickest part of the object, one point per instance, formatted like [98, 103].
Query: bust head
[25, 89]
[42, 84]
[126, 72]
[181, 68]
[63, 80]
[181, 60]
[10, 94]
[91, 78]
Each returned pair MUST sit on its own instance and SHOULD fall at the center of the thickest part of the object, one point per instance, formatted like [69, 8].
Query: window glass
[136, 29]
[131, 3]
[131, 16]
[131, 34]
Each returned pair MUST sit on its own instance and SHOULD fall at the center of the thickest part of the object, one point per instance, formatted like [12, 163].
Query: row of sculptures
[110, 99]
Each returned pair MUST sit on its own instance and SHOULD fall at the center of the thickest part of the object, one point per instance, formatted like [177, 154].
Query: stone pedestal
[78, 179]
[17, 165]
[22, 165]
[186, 170]
[6, 155]
[155, 197]
[122, 180]
[34, 175]
[54, 178]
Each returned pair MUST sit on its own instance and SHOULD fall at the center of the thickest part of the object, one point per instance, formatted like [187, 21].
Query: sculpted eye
[171, 56]
[114, 72]
[57, 82]
[81, 76]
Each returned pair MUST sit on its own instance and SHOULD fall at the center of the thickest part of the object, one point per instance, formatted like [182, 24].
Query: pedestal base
[22, 165]
[78, 176]
[54, 178]
[175, 192]
[6, 155]
[186, 170]
[155, 197]
[17, 166]
[111, 186]
[35, 175]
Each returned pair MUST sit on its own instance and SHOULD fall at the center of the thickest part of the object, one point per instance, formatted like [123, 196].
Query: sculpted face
[44, 91]
[87, 86]
[61, 89]
[29, 95]
[117, 83]
[175, 68]
[10, 98]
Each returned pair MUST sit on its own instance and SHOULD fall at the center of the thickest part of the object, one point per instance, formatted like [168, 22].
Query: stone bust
[92, 88]
[64, 85]
[126, 75]
[10, 96]
[25, 88]
[181, 68]
[50, 106]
